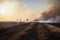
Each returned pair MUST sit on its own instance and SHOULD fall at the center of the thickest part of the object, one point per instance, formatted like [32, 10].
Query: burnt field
[29, 31]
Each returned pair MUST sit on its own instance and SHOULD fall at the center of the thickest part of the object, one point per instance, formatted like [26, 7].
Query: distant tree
[27, 19]
[20, 19]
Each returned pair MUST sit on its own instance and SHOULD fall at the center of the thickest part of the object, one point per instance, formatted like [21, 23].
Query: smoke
[53, 13]
[17, 11]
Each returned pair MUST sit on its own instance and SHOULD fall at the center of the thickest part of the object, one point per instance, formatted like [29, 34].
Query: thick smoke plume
[53, 13]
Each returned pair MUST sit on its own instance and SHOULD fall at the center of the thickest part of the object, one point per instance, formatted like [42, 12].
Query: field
[29, 31]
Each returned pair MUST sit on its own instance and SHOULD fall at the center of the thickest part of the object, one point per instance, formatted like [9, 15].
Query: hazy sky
[36, 4]
[22, 9]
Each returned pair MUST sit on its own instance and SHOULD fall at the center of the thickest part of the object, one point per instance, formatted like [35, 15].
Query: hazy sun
[4, 11]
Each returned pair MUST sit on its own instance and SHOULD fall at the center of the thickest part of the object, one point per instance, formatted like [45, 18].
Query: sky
[35, 4]
[13, 10]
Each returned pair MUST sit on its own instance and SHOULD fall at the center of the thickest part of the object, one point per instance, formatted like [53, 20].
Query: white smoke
[52, 15]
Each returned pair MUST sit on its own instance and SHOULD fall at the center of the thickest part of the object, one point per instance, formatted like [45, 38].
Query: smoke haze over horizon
[42, 10]
[53, 14]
